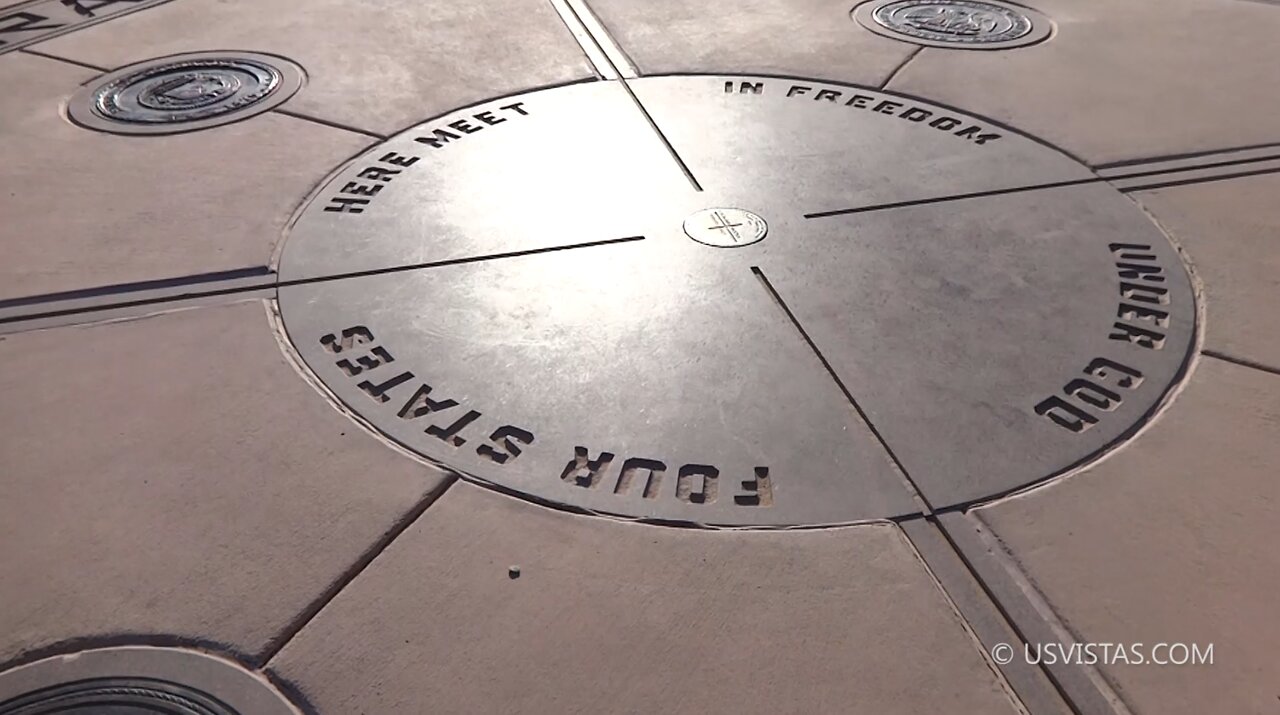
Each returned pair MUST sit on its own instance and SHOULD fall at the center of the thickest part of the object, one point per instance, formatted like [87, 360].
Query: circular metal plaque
[117, 696]
[944, 306]
[725, 228]
[185, 92]
[957, 24]
[137, 681]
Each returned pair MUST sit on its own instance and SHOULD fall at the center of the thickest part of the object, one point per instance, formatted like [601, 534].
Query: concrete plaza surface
[177, 473]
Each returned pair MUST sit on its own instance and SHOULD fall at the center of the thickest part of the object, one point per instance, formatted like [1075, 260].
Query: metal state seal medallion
[137, 680]
[117, 695]
[973, 24]
[185, 92]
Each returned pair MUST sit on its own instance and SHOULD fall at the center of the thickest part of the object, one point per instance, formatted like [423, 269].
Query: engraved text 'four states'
[358, 354]
[693, 484]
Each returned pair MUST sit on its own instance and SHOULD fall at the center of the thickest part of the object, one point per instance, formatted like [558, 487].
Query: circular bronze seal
[185, 92]
[962, 24]
[137, 680]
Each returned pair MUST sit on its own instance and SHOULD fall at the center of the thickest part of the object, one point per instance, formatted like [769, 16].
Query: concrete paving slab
[607, 616]
[174, 476]
[988, 621]
[134, 680]
[808, 38]
[379, 66]
[1123, 80]
[85, 209]
[1231, 229]
[1171, 540]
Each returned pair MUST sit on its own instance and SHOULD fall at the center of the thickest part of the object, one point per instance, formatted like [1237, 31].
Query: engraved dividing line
[1199, 179]
[267, 285]
[954, 197]
[663, 137]
[773, 293]
[606, 68]
[456, 261]
[159, 284]
[1169, 158]
[1196, 163]
[1116, 179]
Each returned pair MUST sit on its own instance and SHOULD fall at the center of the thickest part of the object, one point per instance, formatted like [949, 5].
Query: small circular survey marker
[185, 92]
[960, 24]
[134, 680]
[725, 228]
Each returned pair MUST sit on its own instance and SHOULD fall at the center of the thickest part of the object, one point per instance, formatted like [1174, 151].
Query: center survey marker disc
[510, 291]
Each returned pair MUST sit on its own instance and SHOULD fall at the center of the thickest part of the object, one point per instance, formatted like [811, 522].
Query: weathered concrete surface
[378, 66]
[624, 618]
[83, 209]
[805, 38]
[1172, 540]
[173, 475]
[1123, 80]
[1231, 230]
